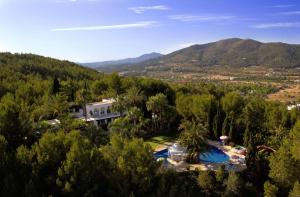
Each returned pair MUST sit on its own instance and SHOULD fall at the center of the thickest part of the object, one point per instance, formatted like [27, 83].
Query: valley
[226, 61]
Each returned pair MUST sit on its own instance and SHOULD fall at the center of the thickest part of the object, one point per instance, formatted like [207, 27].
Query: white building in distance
[99, 113]
[290, 107]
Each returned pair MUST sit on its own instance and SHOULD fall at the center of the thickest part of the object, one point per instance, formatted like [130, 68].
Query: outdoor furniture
[224, 139]
[177, 152]
[240, 150]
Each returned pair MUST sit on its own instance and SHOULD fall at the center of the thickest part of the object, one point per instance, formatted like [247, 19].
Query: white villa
[99, 113]
[290, 107]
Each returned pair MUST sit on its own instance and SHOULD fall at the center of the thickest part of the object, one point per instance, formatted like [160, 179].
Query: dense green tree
[15, 124]
[233, 185]
[277, 135]
[152, 87]
[45, 158]
[294, 115]
[115, 83]
[207, 183]
[284, 169]
[4, 168]
[99, 87]
[132, 167]
[171, 183]
[184, 105]
[232, 102]
[69, 88]
[96, 135]
[81, 173]
[221, 174]
[162, 112]
[296, 190]
[270, 190]
[255, 119]
[203, 109]
[295, 138]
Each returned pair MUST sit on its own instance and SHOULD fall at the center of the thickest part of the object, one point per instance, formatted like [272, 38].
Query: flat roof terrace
[104, 101]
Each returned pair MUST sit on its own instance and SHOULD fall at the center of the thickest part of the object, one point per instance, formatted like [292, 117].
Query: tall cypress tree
[55, 86]
[226, 126]
[231, 127]
[217, 124]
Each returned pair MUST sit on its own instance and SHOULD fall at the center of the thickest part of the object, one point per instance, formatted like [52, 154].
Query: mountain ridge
[236, 53]
[232, 52]
[120, 62]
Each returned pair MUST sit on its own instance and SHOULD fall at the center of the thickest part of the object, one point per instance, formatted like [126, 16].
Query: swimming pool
[163, 153]
[213, 155]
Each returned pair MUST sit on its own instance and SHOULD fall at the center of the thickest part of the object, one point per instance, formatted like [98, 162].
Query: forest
[75, 158]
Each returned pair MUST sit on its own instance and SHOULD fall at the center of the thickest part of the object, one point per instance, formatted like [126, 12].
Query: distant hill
[232, 52]
[119, 63]
[28, 64]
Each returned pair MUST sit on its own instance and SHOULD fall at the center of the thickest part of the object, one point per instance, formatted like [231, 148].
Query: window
[96, 112]
[108, 110]
[102, 110]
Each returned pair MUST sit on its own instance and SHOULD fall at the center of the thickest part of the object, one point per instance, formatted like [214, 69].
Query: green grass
[159, 140]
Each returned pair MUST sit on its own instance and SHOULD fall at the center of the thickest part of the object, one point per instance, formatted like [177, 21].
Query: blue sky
[92, 30]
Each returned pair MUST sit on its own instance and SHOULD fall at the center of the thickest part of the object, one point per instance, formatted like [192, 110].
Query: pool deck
[163, 146]
[231, 164]
[235, 164]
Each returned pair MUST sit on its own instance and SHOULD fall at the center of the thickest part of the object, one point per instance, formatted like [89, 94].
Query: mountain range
[121, 62]
[234, 52]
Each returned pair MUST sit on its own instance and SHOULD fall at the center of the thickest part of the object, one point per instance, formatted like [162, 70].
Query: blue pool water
[162, 153]
[214, 155]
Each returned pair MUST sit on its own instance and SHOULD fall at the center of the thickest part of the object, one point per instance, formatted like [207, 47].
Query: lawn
[160, 140]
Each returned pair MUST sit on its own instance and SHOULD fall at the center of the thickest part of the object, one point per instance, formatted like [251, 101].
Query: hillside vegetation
[45, 67]
[234, 52]
[76, 158]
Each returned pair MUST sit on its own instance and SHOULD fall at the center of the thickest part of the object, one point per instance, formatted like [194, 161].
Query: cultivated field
[289, 94]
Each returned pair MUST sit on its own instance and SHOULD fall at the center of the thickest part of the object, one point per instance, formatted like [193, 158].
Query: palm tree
[134, 97]
[132, 125]
[82, 97]
[194, 137]
[56, 105]
[158, 105]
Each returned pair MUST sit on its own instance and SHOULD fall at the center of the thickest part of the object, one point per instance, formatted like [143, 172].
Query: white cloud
[283, 6]
[142, 9]
[142, 24]
[291, 13]
[276, 25]
[188, 18]
[184, 45]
